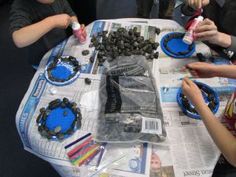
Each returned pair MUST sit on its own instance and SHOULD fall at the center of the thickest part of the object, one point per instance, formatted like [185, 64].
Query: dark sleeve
[144, 8]
[67, 8]
[182, 14]
[229, 53]
[231, 50]
[19, 16]
[233, 44]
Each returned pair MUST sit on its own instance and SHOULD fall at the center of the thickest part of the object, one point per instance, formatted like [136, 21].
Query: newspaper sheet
[188, 150]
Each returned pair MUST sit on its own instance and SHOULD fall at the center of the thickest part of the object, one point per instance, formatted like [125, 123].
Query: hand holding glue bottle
[79, 32]
[189, 35]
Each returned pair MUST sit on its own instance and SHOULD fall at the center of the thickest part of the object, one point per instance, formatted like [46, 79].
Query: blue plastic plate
[205, 91]
[63, 117]
[176, 45]
[63, 71]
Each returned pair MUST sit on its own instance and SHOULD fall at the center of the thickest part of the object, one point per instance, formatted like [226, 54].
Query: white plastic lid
[200, 18]
[75, 25]
[187, 40]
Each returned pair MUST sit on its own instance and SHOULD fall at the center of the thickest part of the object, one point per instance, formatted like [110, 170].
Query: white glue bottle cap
[188, 39]
[199, 18]
[75, 26]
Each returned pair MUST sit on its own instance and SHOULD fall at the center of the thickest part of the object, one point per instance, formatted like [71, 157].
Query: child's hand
[207, 31]
[202, 69]
[61, 20]
[197, 4]
[191, 90]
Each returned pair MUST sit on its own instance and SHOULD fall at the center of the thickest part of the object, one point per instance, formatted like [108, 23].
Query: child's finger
[188, 81]
[185, 80]
[205, 22]
[184, 85]
[188, 66]
[195, 4]
[204, 38]
[194, 66]
[205, 34]
[208, 21]
[184, 68]
[190, 2]
[194, 73]
[199, 4]
[203, 28]
[191, 83]
[205, 2]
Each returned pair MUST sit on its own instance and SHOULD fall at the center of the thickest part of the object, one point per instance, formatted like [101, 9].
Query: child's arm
[31, 33]
[228, 71]
[74, 19]
[206, 70]
[222, 137]
[224, 140]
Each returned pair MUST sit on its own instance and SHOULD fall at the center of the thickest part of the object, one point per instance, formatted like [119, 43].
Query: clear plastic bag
[130, 107]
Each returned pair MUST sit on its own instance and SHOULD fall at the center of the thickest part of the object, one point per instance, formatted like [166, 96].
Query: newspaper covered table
[188, 150]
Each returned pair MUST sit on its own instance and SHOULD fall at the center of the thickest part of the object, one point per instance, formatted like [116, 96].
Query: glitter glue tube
[189, 35]
[79, 32]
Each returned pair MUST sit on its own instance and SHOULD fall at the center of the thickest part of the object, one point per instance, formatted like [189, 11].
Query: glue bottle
[79, 32]
[189, 35]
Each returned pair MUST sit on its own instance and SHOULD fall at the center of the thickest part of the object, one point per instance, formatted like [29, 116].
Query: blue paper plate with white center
[210, 96]
[172, 45]
[62, 71]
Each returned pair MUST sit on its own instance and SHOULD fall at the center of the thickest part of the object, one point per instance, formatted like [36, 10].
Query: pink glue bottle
[189, 35]
[79, 32]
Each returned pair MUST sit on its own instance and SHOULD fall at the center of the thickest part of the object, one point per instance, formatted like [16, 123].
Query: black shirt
[27, 12]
